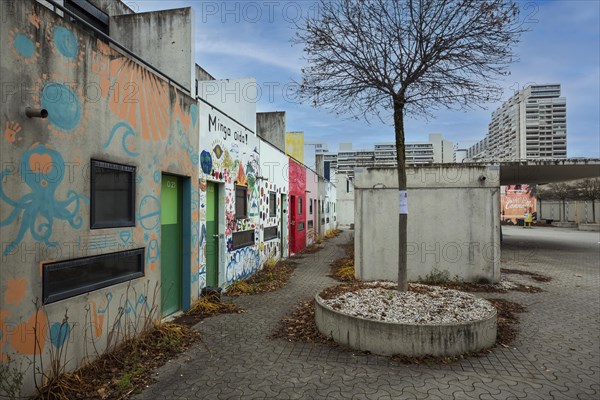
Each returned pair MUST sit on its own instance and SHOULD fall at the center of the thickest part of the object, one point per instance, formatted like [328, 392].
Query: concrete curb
[589, 227]
[387, 338]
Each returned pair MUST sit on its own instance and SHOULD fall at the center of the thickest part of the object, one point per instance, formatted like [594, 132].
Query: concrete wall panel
[453, 223]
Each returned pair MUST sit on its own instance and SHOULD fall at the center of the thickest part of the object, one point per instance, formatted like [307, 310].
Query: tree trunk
[593, 211]
[403, 215]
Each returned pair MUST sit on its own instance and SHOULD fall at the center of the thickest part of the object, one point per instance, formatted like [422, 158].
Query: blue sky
[237, 39]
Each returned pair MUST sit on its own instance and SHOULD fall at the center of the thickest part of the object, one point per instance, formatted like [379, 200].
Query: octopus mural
[42, 169]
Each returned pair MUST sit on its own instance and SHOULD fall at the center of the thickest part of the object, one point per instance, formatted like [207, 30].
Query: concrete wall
[229, 156]
[294, 145]
[271, 127]
[45, 182]
[576, 211]
[453, 223]
[236, 98]
[165, 39]
[332, 198]
[443, 150]
[328, 210]
[203, 75]
[344, 200]
[274, 170]
[322, 187]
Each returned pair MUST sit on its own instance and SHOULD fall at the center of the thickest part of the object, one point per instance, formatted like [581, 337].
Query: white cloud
[254, 51]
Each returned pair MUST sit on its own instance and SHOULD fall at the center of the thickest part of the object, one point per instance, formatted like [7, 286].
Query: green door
[283, 226]
[171, 244]
[212, 234]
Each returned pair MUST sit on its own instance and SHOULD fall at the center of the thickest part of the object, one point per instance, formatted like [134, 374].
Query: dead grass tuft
[271, 277]
[125, 371]
[345, 273]
[342, 269]
[238, 288]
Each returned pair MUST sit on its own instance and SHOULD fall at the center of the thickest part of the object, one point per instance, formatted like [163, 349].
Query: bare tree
[561, 191]
[373, 58]
[589, 189]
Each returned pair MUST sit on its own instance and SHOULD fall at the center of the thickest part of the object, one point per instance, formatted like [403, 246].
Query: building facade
[128, 183]
[383, 155]
[531, 125]
[97, 189]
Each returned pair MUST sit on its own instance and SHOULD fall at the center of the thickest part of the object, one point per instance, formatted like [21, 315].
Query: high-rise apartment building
[531, 125]
[436, 150]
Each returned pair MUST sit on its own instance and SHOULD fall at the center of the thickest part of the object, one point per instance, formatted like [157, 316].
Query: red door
[292, 227]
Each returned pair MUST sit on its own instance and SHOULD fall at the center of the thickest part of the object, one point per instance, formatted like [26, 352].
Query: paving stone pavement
[556, 354]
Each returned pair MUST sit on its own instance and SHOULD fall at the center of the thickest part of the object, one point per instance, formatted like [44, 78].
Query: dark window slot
[242, 239]
[70, 278]
[270, 233]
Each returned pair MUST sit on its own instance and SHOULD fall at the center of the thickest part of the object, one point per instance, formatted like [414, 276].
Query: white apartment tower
[531, 125]
[436, 150]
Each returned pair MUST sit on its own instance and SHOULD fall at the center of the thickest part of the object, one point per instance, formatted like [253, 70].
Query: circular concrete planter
[386, 338]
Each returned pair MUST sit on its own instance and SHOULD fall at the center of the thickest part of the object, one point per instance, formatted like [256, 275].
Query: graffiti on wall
[230, 157]
[126, 131]
[243, 263]
[42, 169]
[141, 113]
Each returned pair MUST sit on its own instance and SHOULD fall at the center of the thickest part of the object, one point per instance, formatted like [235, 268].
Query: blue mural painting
[206, 162]
[59, 333]
[153, 252]
[194, 113]
[127, 132]
[125, 236]
[63, 105]
[24, 45]
[149, 212]
[243, 263]
[134, 309]
[42, 169]
[65, 42]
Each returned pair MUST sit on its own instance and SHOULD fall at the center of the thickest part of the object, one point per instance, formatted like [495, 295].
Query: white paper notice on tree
[403, 202]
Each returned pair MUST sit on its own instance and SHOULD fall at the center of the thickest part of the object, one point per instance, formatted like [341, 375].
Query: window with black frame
[270, 233]
[242, 239]
[241, 202]
[64, 279]
[112, 195]
[272, 204]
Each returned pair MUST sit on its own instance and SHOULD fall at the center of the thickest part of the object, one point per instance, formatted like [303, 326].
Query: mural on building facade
[42, 168]
[137, 119]
[515, 201]
[231, 158]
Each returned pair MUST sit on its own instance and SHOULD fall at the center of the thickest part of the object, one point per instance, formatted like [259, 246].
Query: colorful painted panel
[230, 156]
[100, 105]
[515, 201]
